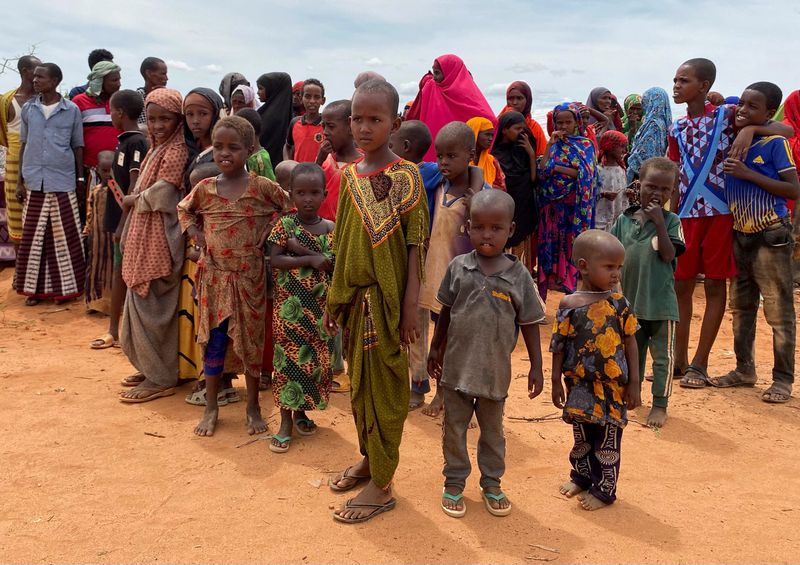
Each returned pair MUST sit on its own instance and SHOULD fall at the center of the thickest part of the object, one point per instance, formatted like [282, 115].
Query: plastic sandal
[311, 427]
[455, 498]
[487, 496]
[277, 448]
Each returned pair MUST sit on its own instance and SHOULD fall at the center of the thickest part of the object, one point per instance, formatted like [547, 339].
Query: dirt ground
[84, 478]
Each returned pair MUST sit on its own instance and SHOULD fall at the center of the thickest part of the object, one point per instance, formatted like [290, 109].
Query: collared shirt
[485, 315]
[753, 208]
[647, 281]
[99, 133]
[305, 137]
[48, 163]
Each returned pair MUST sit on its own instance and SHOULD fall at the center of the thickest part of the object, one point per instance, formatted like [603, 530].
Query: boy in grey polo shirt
[486, 297]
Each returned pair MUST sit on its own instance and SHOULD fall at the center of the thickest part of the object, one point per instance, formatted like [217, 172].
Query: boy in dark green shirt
[652, 238]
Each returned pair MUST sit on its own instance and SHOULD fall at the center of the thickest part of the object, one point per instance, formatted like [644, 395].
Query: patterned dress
[301, 379]
[595, 368]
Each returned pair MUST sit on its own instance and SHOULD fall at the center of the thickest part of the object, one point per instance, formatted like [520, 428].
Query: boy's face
[516, 100]
[489, 229]
[603, 267]
[312, 98]
[752, 109]
[656, 187]
[686, 86]
[373, 120]
[400, 146]
[336, 129]
[453, 159]
[116, 116]
[230, 152]
[104, 169]
[308, 193]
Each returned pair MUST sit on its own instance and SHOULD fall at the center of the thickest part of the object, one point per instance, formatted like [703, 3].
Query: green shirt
[260, 164]
[648, 282]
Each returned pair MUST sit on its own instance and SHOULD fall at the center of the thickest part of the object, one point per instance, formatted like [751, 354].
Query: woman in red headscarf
[791, 116]
[519, 98]
[448, 93]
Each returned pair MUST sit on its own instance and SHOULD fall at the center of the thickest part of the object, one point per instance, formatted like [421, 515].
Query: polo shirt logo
[501, 295]
[758, 160]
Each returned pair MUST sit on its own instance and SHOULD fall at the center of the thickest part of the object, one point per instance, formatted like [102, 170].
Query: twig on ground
[55, 311]
[151, 434]
[248, 442]
[532, 558]
[548, 418]
[544, 547]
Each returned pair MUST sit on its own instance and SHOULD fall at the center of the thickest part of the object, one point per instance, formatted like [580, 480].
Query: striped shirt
[753, 208]
[98, 132]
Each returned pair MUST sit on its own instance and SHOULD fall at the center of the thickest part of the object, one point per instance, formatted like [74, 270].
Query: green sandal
[487, 496]
[311, 427]
[281, 439]
[454, 498]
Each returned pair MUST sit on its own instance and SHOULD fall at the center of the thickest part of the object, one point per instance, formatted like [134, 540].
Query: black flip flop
[690, 373]
[356, 480]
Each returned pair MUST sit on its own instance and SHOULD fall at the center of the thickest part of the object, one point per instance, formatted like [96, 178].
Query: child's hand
[632, 396]
[325, 149]
[409, 330]
[558, 135]
[435, 364]
[525, 143]
[535, 382]
[558, 396]
[293, 246]
[741, 145]
[329, 324]
[129, 200]
[321, 263]
[735, 168]
[654, 212]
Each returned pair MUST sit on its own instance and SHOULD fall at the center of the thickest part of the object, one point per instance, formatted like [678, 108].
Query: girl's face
[237, 102]
[602, 270]
[308, 193]
[618, 152]
[511, 133]
[566, 122]
[161, 122]
[605, 101]
[262, 93]
[230, 151]
[516, 101]
[484, 140]
[438, 74]
[199, 118]
[372, 121]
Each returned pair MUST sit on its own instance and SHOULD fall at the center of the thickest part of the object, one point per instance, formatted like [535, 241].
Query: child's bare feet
[570, 489]
[436, 404]
[591, 502]
[657, 416]
[255, 422]
[208, 422]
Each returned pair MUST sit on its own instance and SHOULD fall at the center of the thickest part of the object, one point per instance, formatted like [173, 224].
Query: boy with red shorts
[700, 142]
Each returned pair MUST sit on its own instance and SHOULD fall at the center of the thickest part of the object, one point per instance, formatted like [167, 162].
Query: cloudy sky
[563, 49]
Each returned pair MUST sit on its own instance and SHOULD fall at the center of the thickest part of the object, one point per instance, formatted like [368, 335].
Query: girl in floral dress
[302, 260]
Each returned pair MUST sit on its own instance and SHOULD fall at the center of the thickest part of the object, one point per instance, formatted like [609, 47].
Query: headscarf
[516, 165]
[456, 98]
[630, 101]
[791, 116]
[276, 113]
[651, 137]
[537, 131]
[146, 231]
[200, 97]
[576, 151]
[485, 160]
[609, 141]
[228, 83]
[100, 70]
[594, 98]
[248, 93]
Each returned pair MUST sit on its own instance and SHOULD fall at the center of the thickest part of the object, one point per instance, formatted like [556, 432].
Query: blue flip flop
[282, 439]
[308, 424]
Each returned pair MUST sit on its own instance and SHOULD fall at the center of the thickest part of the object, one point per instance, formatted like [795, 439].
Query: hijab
[538, 133]
[629, 128]
[485, 159]
[99, 72]
[248, 93]
[456, 98]
[166, 161]
[651, 137]
[791, 116]
[213, 102]
[609, 141]
[228, 83]
[592, 102]
[276, 113]
[516, 165]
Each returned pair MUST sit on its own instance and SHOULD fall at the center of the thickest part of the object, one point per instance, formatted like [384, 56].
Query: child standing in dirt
[594, 348]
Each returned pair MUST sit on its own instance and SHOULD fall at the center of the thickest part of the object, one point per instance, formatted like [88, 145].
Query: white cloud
[496, 89]
[373, 62]
[212, 68]
[409, 88]
[178, 65]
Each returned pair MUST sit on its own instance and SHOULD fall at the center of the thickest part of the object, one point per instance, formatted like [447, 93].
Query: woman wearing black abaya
[275, 91]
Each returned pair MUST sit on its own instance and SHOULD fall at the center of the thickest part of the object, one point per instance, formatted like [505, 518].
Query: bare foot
[501, 504]
[570, 489]
[436, 405]
[255, 423]
[370, 495]
[657, 416]
[449, 503]
[207, 423]
[590, 502]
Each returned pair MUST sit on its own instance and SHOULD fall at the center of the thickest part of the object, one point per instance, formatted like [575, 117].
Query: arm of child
[632, 396]
[476, 180]
[189, 218]
[655, 213]
[530, 333]
[325, 149]
[438, 344]
[527, 145]
[598, 115]
[409, 332]
[744, 139]
[280, 260]
[786, 187]
[557, 394]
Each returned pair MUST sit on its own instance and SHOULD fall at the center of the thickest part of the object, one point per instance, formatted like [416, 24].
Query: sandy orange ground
[82, 481]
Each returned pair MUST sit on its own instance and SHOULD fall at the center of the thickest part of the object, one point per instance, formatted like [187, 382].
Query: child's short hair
[203, 171]
[98, 55]
[129, 101]
[342, 108]
[457, 132]
[105, 155]
[313, 81]
[309, 169]
[659, 164]
[492, 199]
[149, 64]
[240, 126]
[771, 92]
[418, 136]
[283, 173]
[704, 69]
[253, 118]
[591, 242]
[382, 87]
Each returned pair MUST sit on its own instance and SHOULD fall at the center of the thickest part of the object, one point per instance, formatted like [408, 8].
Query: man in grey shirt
[50, 262]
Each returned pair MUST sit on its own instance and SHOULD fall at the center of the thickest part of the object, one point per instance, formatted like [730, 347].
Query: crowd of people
[308, 245]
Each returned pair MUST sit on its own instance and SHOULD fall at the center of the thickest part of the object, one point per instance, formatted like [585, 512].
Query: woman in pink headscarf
[446, 94]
